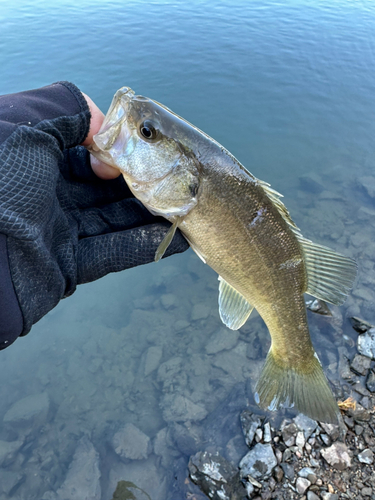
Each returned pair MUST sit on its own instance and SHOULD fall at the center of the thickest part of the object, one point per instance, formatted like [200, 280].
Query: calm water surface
[288, 87]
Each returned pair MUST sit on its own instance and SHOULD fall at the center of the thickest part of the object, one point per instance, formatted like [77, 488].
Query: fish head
[152, 147]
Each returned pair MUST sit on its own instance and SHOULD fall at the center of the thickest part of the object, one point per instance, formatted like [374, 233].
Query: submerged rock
[360, 364]
[178, 408]
[131, 443]
[337, 456]
[215, 476]
[83, 479]
[258, 462]
[8, 451]
[32, 409]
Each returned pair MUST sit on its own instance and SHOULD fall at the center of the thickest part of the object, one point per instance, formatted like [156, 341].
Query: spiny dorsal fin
[233, 307]
[274, 196]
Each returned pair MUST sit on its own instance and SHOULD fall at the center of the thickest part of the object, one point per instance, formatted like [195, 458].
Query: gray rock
[366, 456]
[267, 433]
[258, 462]
[249, 424]
[329, 496]
[332, 430]
[153, 357]
[360, 364]
[9, 481]
[337, 456]
[368, 183]
[289, 433]
[312, 496]
[83, 479]
[8, 451]
[178, 408]
[181, 325]
[32, 409]
[300, 440]
[278, 473]
[366, 492]
[168, 301]
[310, 185]
[305, 424]
[131, 443]
[224, 339]
[305, 472]
[366, 343]
[215, 476]
[200, 311]
[302, 484]
[289, 471]
[370, 383]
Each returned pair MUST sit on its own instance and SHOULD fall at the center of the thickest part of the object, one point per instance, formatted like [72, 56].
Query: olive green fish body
[239, 227]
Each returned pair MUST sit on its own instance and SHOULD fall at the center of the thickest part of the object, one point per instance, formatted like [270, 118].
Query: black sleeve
[37, 109]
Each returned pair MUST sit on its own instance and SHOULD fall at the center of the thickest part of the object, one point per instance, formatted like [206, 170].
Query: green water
[288, 87]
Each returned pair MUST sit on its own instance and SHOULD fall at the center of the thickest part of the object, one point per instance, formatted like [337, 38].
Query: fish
[238, 225]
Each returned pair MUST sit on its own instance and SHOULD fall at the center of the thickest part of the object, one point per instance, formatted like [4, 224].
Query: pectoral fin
[233, 307]
[167, 240]
[330, 276]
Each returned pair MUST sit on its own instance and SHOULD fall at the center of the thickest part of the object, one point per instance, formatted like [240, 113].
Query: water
[287, 87]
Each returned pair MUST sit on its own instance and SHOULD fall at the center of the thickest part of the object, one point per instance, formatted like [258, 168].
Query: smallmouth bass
[237, 225]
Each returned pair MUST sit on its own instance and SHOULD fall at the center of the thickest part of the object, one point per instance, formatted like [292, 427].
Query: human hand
[60, 224]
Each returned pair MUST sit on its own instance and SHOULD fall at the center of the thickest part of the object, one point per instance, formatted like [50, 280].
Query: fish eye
[148, 130]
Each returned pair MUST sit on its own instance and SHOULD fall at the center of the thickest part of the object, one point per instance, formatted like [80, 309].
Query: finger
[113, 252]
[97, 118]
[103, 170]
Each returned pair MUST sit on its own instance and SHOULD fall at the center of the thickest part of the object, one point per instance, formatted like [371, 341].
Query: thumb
[101, 169]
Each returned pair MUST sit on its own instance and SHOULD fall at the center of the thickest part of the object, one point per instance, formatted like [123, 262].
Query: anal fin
[234, 309]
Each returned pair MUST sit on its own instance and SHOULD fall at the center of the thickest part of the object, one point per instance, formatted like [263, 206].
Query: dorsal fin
[275, 196]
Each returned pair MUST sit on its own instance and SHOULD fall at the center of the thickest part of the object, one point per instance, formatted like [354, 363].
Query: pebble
[200, 311]
[312, 496]
[302, 484]
[278, 473]
[366, 456]
[337, 456]
[267, 433]
[366, 343]
[289, 471]
[305, 472]
[370, 383]
[305, 424]
[329, 496]
[366, 492]
[300, 440]
[289, 434]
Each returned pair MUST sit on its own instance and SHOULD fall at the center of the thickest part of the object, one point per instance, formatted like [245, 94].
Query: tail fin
[307, 390]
